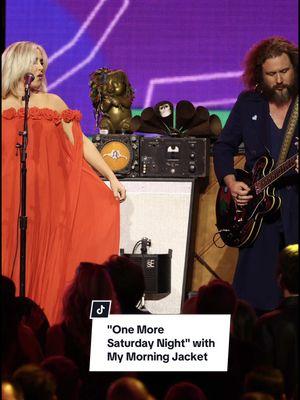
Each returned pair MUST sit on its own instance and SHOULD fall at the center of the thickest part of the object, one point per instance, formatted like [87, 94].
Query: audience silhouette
[128, 388]
[267, 380]
[66, 375]
[129, 283]
[72, 337]
[19, 344]
[185, 391]
[262, 362]
[36, 383]
[277, 332]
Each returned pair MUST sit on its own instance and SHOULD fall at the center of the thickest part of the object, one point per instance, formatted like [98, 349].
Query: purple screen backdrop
[170, 49]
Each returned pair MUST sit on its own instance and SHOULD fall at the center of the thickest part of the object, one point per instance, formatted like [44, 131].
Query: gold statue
[112, 96]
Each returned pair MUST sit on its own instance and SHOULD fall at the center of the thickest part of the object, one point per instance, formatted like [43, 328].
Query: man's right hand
[238, 189]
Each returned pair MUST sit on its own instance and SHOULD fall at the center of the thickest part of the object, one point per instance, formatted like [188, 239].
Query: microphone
[28, 78]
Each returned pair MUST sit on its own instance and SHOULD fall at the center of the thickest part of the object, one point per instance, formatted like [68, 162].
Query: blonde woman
[72, 215]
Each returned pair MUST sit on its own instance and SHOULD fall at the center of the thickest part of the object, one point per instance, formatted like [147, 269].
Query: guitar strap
[289, 133]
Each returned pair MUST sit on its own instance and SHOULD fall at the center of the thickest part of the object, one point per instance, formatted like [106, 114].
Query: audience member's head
[190, 306]
[243, 321]
[66, 375]
[31, 314]
[266, 379]
[127, 388]
[10, 390]
[36, 383]
[9, 324]
[288, 269]
[128, 280]
[257, 396]
[218, 297]
[8, 303]
[8, 288]
[91, 282]
[185, 391]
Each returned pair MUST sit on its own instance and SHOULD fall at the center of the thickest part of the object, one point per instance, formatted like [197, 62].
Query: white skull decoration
[165, 110]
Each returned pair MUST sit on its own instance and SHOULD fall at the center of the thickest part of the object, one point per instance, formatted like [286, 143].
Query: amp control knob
[192, 156]
[192, 168]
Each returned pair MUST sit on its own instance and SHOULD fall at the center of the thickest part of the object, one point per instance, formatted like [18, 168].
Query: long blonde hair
[17, 60]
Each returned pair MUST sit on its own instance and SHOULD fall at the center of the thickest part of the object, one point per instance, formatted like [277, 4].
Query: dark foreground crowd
[42, 362]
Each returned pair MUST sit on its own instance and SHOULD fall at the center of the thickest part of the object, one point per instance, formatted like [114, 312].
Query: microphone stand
[23, 173]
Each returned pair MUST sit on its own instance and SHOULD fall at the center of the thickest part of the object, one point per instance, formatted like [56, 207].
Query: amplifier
[120, 152]
[174, 157]
[157, 273]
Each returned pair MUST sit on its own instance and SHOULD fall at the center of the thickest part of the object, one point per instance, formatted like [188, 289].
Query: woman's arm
[94, 158]
[90, 153]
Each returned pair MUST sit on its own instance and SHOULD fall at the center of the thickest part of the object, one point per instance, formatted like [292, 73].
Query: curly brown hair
[260, 52]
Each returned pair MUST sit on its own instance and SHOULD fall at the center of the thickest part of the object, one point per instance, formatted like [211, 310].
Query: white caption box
[160, 343]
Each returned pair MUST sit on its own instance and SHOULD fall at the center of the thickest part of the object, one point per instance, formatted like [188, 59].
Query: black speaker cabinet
[174, 157]
[157, 273]
[120, 152]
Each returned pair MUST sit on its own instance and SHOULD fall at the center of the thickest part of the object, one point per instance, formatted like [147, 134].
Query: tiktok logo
[100, 308]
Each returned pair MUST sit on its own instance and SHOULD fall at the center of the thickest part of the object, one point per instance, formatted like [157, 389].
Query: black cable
[138, 243]
[203, 262]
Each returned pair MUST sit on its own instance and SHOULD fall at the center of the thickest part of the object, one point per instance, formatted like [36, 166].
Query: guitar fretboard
[267, 180]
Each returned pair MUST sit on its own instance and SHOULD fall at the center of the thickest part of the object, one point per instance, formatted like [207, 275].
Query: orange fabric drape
[72, 215]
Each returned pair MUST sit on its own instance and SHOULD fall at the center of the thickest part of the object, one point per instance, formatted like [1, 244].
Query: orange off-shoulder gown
[72, 215]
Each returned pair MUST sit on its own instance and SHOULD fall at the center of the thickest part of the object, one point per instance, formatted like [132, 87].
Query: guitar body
[239, 226]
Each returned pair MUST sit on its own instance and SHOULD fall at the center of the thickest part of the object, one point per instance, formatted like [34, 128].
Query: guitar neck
[267, 180]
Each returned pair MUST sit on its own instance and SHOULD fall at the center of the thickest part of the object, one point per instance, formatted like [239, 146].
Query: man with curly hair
[259, 119]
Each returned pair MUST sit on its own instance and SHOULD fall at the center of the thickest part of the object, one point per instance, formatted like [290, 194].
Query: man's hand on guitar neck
[239, 190]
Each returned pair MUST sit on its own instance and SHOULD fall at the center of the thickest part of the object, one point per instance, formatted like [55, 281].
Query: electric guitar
[239, 226]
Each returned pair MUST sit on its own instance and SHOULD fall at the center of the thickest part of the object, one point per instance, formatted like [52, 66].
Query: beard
[280, 94]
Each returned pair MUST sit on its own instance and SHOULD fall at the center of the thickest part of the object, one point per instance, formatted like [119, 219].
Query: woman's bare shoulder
[55, 102]
[41, 100]
[9, 102]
